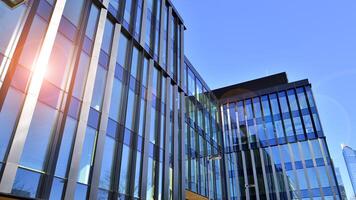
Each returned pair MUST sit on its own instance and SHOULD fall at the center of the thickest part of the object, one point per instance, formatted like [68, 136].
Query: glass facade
[350, 160]
[275, 145]
[98, 101]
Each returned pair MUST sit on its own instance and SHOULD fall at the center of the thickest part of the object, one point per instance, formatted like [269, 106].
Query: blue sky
[230, 41]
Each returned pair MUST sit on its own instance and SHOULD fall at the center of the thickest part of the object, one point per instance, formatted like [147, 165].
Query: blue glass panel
[80, 192]
[8, 116]
[115, 104]
[26, 183]
[66, 146]
[87, 154]
[107, 163]
[39, 136]
[57, 189]
[94, 117]
[99, 87]
[103, 194]
[125, 170]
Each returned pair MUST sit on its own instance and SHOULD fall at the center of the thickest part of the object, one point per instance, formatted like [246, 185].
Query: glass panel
[137, 175]
[33, 41]
[127, 14]
[122, 50]
[115, 103]
[87, 155]
[57, 189]
[9, 21]
[302, 99]
[92, 22]
[150, 179]
[80, 192]
[26, 183]
[60, 60]
[39, 136]
[66, 146]
[135, 63]
[81, 76]
[99, 88]
[131, 111]
[125, 170]
[8, 116]
[107, 38]
[72, 11]
[107, 163]
[292, 100]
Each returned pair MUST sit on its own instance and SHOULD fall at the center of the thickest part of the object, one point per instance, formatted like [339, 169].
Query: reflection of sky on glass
[242, 40]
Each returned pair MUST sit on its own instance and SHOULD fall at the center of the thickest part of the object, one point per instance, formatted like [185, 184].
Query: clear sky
[230, 41]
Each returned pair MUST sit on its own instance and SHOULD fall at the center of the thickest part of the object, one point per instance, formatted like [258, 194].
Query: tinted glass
[39, 136]
[87, 154]
[8, 116]
[26, 183]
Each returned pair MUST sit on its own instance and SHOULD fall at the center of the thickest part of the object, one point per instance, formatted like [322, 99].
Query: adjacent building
[98, 101]
[350, 160]
[274, 145]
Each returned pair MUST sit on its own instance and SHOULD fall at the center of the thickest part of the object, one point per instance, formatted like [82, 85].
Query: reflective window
[265, 106]
[283, 102]
[80, 192]
[274, 103]
[135, 63]
[115, 103]
[316, 149]
[9, 21]
[249, 112]
[302, 179]
[60, 60]
[306, 151]
[99, 88]
[107, 38]
[279, 128]
[292, 100]
[150, 179]
[308, 124]
[313, 179]
[138, 17]
[86, 159]
[310, 96]
[81, 75]
[115, 4]
[298, 126]
[323, 176]
[257, 107]
[296, 153]
[8, 116]
[92, 22]
[57, 189]
[33, 42]
[137, 181]
[302, 99]
[66, 146]
[107, 163]
[72, 11]
[26, 183]
[125, 170]
[127, 13]
[131, 111]
[288, 127]
[39, 136]
[122, 51]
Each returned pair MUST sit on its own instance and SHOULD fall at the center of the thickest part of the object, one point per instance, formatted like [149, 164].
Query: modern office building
[350, 160]
[274, 146]
[98, 101]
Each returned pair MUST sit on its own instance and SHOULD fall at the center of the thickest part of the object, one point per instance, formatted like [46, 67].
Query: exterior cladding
[274, 145]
